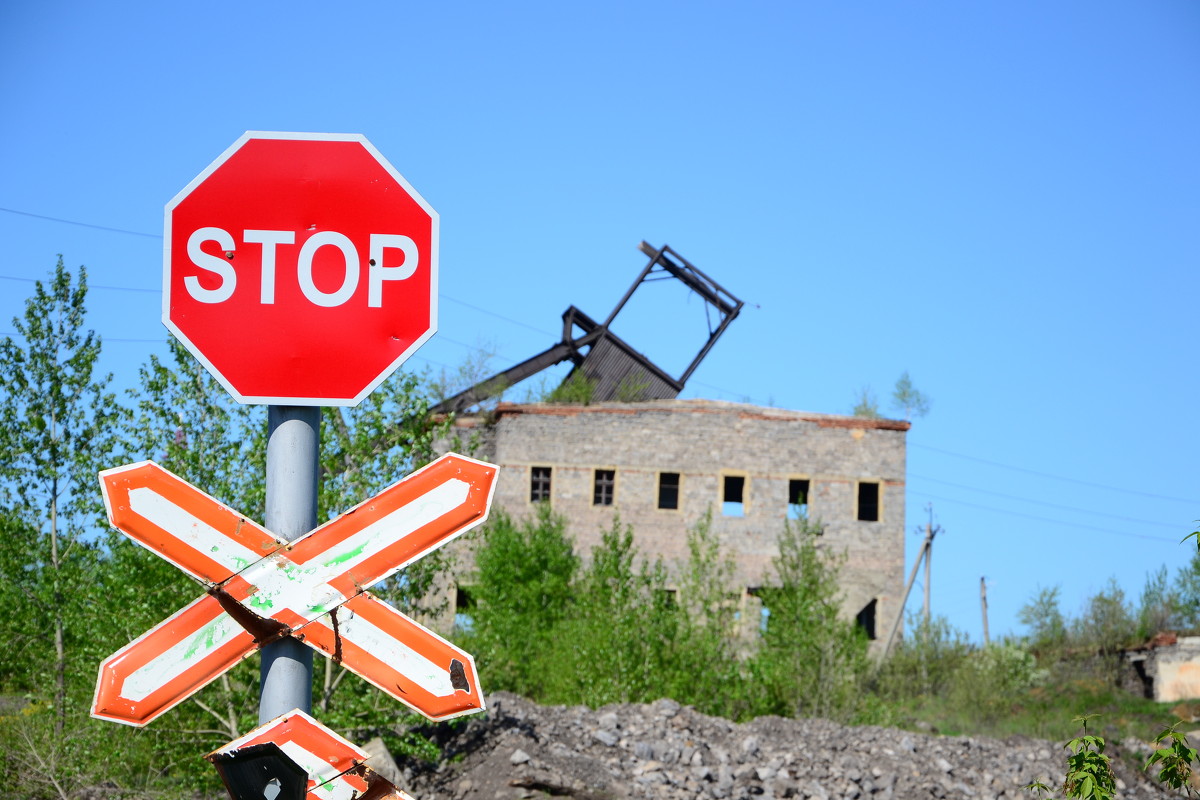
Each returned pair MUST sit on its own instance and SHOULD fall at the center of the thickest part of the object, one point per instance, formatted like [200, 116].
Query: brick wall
[704, 442]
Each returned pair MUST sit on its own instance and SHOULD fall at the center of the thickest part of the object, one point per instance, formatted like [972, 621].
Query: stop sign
[300, 268]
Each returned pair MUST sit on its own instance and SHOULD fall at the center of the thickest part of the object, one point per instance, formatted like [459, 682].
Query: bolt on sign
[300, 268]
[336, 768]
[261, 588]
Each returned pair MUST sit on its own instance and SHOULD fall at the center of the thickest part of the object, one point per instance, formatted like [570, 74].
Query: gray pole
[928, 558]
[983, 605]
[293, 454]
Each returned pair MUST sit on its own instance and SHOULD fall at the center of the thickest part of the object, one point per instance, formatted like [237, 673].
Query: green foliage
[56, 430]
[1045, 622]
[926, 660]
[78, 600]
[1158, 608]
[1174, 758]
[993, 679]
[909, 400]
[704, 668]
[577, 390]
[810, 662]
[1187, 595]
[614, 646]
[1105, 627]
[522, 594]
[632, 388]
[1089, 770]
[472, 371]
[866, 405]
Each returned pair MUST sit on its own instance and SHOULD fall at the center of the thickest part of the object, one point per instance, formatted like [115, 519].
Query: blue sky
[1000, 197]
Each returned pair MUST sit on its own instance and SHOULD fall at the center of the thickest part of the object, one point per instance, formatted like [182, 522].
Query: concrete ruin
[661, 465]
[1167, 670]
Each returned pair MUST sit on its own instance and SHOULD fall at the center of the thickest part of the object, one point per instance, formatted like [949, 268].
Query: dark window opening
[764, 613]
[539, 484]
[868, 502]
[668, 490]
[733, 496]
[669, 598]
[866, 619]
[605, 486]
[464, 609]
[797, 499]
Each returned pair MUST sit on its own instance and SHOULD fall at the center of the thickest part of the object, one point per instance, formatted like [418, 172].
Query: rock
[605, 737]
[379, 758]
[666, 707]
[663, 751]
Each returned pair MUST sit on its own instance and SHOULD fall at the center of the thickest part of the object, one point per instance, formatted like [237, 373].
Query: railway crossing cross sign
[336, 768]
[261, 588]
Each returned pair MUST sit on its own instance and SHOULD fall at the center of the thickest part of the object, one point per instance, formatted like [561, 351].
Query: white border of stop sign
[223, 279]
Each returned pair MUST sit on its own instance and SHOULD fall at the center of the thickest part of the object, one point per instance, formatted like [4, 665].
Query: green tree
[614, 645]
[926, 661]
[1045, 622]
[522, 594]
[866, 405]
[1105, 627]
[1158, 607]
[56, 423]
[811, 661]
[1187, 593]
[909, 400]
[57, 420]
[707, 640]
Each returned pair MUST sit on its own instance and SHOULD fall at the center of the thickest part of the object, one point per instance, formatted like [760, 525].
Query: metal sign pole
[293, 461]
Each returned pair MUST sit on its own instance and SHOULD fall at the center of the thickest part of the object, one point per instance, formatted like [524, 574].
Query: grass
[1043, 712]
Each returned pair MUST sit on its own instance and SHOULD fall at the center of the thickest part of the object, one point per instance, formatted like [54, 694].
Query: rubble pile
[663, 751]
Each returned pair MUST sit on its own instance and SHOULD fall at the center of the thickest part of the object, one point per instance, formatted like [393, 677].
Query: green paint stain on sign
[204, 639]
[261, 601]
[344, 557]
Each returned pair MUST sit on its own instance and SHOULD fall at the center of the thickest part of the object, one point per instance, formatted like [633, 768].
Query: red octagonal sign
[300, 268]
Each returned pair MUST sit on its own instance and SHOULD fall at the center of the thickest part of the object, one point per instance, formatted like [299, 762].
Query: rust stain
[337, 638]
[262, 629]
[458, 676]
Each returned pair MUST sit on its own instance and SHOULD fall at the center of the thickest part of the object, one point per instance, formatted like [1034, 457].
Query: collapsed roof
[614, 368]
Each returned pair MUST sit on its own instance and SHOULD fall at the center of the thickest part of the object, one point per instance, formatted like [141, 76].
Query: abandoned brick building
[662, 464]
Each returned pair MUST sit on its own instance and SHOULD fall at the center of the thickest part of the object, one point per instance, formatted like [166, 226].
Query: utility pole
[929, 532]
[926, 549]
[983, 605]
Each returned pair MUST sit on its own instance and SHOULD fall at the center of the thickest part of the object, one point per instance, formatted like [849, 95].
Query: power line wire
[1028, 471]
[103, 338]
[83, 224]
[494, 314]
[1046, 519]
[90, 285]
[1073, 509]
